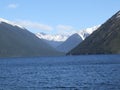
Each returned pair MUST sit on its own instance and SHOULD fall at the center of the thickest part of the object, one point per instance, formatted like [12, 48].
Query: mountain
[53, 40]
[16, 41]
[70, 43]
[105, 40]
[75, 39]
[86, 32]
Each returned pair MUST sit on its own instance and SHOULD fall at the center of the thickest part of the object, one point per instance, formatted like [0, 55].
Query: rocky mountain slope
[105, 40]
[70, 43]
[75, 39]
[16, 41]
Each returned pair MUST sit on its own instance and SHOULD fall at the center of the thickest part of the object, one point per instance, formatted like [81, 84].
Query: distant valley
[66, 42]
[17, 41]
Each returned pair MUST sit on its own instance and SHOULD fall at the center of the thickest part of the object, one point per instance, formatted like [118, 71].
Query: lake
[90, 72]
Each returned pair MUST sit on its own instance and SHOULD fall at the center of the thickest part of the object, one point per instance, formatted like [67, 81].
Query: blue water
[92, 72]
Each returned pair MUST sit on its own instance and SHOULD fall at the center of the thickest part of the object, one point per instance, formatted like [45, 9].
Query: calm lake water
[92, 72]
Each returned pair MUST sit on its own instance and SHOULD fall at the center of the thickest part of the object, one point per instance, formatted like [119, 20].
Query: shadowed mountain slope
[105, 40]
[19, 42]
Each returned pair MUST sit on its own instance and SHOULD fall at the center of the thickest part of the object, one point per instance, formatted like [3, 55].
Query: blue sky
[58, 16]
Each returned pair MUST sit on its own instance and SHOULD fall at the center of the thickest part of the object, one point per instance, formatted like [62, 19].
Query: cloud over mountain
[13, 5]
[34, 25]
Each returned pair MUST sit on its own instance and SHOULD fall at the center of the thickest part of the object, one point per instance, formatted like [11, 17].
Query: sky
[58, 16]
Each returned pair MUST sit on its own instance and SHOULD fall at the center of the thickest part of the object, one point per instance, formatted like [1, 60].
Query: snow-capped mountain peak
[62, 37]
[118, 15]
[56, 37]
[86, 32]
[75, 39]
[11, 23]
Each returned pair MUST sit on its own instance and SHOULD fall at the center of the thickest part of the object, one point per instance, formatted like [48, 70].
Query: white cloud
[30, 25]
[13, 6]
[65, 29]
[34, 25]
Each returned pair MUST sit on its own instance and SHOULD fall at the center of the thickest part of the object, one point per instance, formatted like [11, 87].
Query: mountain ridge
[105, 40]
[70, 43]
[75, 39]
[56, 40]
[19, 42]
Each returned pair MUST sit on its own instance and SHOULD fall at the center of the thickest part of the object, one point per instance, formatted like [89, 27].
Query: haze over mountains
[16, 41]
[105, 40]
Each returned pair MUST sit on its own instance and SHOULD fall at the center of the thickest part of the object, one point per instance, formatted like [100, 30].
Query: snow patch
[11, 23]
[86, 32]
[57, 37]
[62, 37]
[118, 15]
